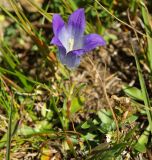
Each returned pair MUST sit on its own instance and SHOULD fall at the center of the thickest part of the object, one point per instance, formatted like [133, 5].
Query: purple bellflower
[70, 38]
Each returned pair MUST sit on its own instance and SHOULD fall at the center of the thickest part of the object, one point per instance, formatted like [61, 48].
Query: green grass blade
[8, 55]
[73, 4]
[5, 101]
[54, 107]
[40, 10]
[21, 77]
[10, 15]
[148, 29]
[22, 21]
[9, 135]
[144, 92]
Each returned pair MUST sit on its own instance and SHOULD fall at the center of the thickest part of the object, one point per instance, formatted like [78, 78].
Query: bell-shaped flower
[70, 38]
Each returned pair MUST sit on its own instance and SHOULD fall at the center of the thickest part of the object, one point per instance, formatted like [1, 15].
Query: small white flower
[108, 138]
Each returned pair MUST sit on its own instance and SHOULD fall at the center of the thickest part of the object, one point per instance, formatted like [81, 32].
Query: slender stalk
[144, 92]
[57, 112]
[107, 99]
[9, 135]
[124, 23]
[142, 82]
[111, 109]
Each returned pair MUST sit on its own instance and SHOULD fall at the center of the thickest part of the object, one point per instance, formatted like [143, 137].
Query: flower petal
[91, 41]
[56, 41]
[76, 23]
[58, 23]
[69, 41]
[78, 52]
[64, 38]
[71, 59]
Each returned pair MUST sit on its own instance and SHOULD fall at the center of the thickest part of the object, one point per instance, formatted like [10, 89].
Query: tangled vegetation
[53, 108]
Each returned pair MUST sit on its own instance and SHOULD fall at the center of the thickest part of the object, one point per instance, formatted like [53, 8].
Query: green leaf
[85, 125]
[132, 119]
[105, 116]
[76, 104]
[143, 140]
[90, 136]
[40, 127]
[133, 92]
[140, 147]
[43, 110]
[104, 152]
